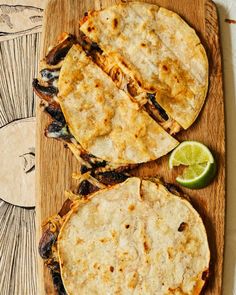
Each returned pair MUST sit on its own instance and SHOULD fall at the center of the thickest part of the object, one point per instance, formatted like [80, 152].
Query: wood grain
[55, 163]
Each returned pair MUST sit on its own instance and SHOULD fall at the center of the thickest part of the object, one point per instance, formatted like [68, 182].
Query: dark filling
[85, 188]
[50, 75]
[161, 111]
[111, 177]
[44, 91]
[84, 169]
[173, 189]
[58, 283]
[60, 51]
[56, 113]
[58, 130]
[93, 161]
[45, 244]
[90, 48]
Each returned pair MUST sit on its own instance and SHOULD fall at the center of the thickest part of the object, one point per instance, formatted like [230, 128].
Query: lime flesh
[200, 164]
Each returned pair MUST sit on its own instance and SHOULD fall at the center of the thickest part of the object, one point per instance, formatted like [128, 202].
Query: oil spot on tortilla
[131, 207]
[133, 282]
[177, 290]
[176, 78]
[96, 265]
[79, 241]
[113, 234]
[170, 253]
[104, 240]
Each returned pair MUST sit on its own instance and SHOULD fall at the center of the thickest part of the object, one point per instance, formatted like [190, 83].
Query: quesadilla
[154, 59]
[104, 119]
[101, 124]
[136, 237]
[46, 87]
[158, 50]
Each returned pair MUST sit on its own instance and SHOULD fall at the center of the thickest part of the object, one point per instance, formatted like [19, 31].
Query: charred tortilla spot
[90, 29]
[146, 247]
[182, 226]
[164, 67]
[143, 44]
[111, 268]
[127, 226]
[115, 23]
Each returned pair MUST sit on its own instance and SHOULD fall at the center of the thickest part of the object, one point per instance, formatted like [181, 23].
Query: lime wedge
[200, 164]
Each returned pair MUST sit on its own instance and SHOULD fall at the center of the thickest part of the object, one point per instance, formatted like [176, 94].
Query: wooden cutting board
[55, 163]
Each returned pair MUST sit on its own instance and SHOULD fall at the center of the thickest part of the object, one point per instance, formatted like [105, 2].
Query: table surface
[25, 217]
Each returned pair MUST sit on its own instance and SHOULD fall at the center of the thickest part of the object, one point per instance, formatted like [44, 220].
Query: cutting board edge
[50, 2]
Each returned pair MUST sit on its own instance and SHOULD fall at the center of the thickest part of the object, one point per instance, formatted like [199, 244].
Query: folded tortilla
[159, 50]
[104, 119]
